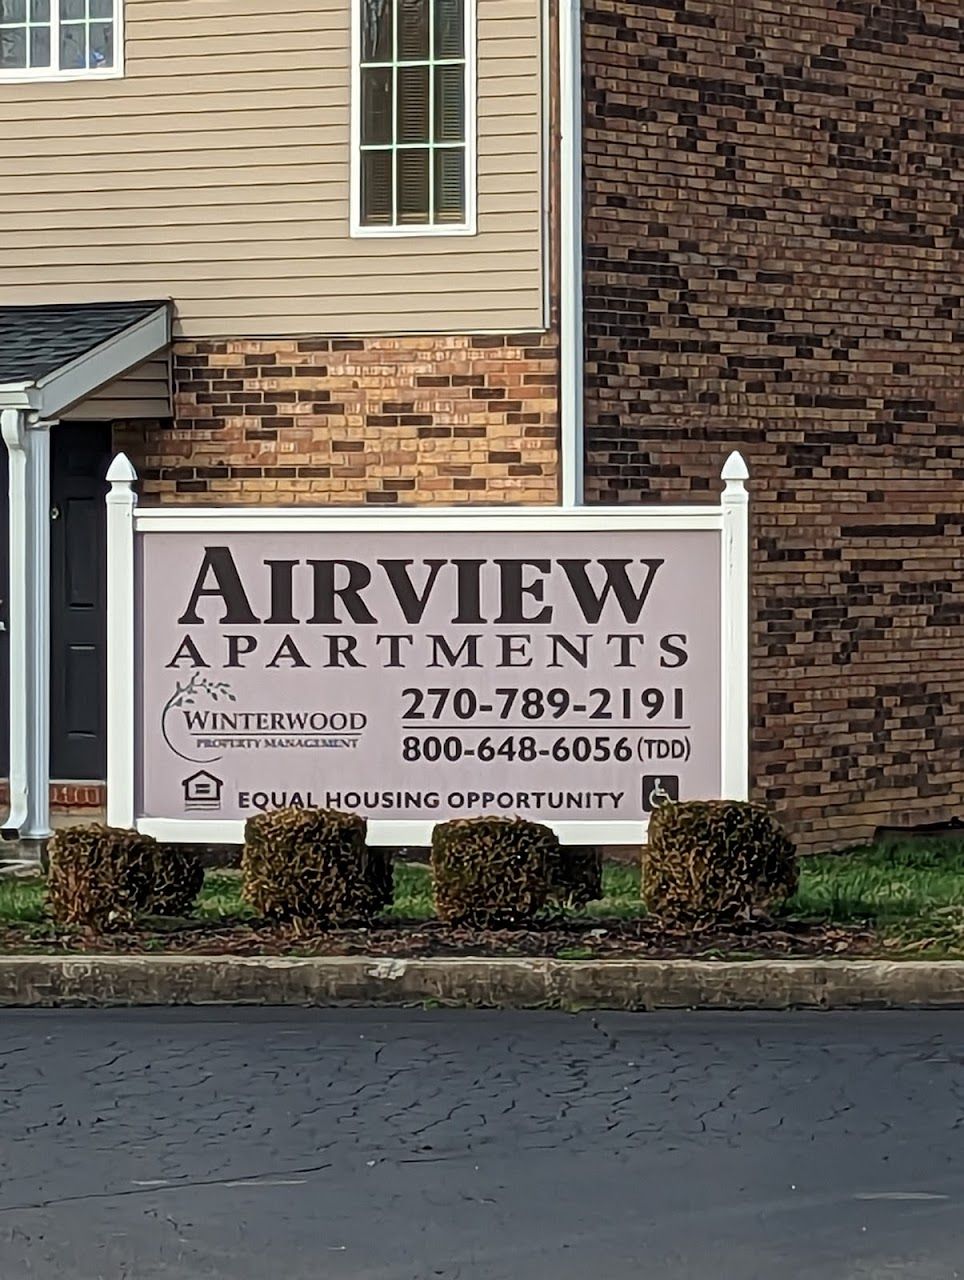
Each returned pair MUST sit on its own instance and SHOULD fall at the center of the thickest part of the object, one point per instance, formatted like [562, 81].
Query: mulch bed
[567, 939]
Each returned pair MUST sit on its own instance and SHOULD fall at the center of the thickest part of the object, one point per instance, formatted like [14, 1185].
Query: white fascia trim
[16, 395]
[73, 382]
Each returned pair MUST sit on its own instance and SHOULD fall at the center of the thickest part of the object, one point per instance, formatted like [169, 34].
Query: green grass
[413, 893]
[221, 897]
[21, 901]
[887, 883]
[913, 892]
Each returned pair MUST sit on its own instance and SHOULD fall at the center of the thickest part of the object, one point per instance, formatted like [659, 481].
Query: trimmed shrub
[575, 876]
[99, 877]
[311, 868]
[711, 861]
[178, 877]
[491, 872]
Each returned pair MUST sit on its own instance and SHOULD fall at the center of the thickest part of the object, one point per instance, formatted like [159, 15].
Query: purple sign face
[418, 676]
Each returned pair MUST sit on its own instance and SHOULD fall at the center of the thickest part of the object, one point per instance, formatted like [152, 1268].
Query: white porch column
[121, 503]
[28, 444]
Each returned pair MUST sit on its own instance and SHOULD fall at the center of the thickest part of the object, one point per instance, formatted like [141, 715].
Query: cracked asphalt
[407, 1145]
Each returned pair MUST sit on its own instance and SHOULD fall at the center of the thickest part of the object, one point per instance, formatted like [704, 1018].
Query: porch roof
[53, 356]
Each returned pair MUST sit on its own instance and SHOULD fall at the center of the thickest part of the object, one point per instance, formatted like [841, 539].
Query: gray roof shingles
[34, 341]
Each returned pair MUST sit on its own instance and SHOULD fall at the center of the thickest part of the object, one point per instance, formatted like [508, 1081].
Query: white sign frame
[125, 520]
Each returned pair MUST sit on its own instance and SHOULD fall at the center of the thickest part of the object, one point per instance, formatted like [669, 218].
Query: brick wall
[441, 419]
[774, 232]
[83, 798]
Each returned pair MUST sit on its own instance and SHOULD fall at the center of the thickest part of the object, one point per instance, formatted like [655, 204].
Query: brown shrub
[381, 876]
[178, 877]
[711, 861]
[99, 877]
[491, 872]
[311, 868]
[575, 876]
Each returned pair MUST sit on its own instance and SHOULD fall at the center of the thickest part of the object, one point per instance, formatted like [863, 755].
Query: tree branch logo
[199, 691]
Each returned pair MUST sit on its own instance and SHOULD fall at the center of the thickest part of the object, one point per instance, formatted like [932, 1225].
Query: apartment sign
[575, 668]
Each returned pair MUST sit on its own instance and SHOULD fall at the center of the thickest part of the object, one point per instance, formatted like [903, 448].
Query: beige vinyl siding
[145, 392]
[216, 172]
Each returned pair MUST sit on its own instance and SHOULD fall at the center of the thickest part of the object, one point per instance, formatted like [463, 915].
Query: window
[58, 38]
[414, 105]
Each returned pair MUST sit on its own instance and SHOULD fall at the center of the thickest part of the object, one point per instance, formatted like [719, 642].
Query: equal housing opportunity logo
[200, 724]
[202, 791]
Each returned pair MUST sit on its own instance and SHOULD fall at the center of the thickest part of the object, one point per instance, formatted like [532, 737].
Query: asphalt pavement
[290, 1144]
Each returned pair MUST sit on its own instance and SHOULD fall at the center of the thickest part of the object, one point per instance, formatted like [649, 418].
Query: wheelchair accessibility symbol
[658, 789]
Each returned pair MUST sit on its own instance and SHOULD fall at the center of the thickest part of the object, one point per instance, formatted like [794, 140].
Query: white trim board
[403, 834]
[419, 520]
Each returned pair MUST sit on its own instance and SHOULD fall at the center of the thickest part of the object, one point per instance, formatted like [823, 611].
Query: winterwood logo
[198, 726]
[188, 694]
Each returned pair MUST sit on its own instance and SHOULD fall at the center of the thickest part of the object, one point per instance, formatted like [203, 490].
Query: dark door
[4, 619]
[79, 457]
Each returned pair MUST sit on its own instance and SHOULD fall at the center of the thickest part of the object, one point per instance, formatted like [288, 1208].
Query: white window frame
[25, 75]
[387, 232]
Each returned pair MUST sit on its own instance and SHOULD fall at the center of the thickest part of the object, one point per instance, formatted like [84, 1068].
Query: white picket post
[121, 502]
[735, 675]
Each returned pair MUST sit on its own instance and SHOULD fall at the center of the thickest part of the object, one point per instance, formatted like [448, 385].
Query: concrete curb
[49, 981]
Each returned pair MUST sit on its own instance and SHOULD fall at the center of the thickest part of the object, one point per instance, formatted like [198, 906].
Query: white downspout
[28, 445]
[570, 256]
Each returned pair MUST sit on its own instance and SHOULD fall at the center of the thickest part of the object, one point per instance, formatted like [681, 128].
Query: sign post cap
[735, 468]
[121, 470]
